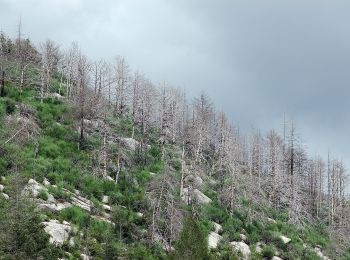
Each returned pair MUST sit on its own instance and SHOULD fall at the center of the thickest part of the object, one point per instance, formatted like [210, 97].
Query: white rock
[46, 182]
[71, 242]
[66, 223]
[84, 257]
[5, 196]
[33, 188]
[1, 188]
[107, 207]
[81, 202]
[271, 220]
[241, 247]
[213, 240]
[285, 239]
[258, 247]
[152, 173]
[130, 143]
[217, 227]
[276, 258]
[201, 198]
[243, 237]
[139, 214]
[318, 251]
[54, 207]
[105, 199]
[50, 198]
[3, 178]
[59, 233]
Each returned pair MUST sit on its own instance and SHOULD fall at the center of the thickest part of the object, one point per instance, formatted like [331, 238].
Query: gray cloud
[257, 59]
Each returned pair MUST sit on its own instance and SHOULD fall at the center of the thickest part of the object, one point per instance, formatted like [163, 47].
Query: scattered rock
[243, 237]
[276, 258]
[129, 143]
[271, 220]
[197, 196]
[213, 240]
[201, 198]
[107, 207]
[71, 242]
[50, 198]
[241, 247]
[285, 239]
[81, 202]
[217, 227]
[105, 199]
[59, 233]
[318, 251]
[84, 257]
[258, 247]
[46, 182]
[5, 196]
[54, 207]
[33, 188]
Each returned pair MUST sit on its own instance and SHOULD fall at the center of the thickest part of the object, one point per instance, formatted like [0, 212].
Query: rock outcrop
[241, 247]
[213, 240]
[59, 233]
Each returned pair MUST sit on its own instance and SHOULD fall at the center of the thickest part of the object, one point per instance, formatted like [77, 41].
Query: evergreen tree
[192, 243]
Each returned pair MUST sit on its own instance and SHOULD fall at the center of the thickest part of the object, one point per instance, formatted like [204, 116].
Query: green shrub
[43, 195]
[268, 251]
[76, 215]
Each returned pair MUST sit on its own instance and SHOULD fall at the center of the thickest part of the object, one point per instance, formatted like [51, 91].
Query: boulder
[217, 227]
[258, 247]
[33, 188]
[81, 202]
[129, 143]
[105, 199]
[59, 233]
[285, 239]
[243, 237]
[139, 214]
[46, 182]
[1, 188]
[201, 198]
[54, 207]
[271, 220]
[84, 257]
[5, 196]
[276, 258]
[50, 198]
[318, 251]
[213, 240]
[197, 196]
[241, 247]
[106, 207]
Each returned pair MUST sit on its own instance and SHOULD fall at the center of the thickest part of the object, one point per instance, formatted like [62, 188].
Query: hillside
[98, 163]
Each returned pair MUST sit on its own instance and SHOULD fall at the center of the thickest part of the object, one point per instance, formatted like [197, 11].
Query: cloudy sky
[257, 59]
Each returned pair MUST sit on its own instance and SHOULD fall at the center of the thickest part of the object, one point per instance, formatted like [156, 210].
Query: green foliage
[22, 234]
[192, 243]
[268, 251]
[76, 215]
[43, 195]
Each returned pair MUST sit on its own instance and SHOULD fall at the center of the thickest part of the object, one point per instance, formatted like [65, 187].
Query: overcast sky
[257, 59]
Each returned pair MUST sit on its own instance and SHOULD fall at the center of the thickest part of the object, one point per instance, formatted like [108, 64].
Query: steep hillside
[85, 176]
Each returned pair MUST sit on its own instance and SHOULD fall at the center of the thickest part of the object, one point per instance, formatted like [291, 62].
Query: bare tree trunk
[2, 83]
